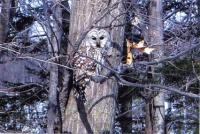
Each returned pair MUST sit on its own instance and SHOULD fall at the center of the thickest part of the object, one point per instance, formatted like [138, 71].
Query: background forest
[156, 93]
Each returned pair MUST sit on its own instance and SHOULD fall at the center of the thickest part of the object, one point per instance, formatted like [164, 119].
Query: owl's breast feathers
[84, 68]
[83, 63]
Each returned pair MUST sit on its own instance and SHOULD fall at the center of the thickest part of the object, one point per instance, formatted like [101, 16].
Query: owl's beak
[98, 43]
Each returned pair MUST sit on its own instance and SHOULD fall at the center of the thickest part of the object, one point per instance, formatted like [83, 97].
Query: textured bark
[156, 38]
[54, 39]
[149, 118]
[97, 114]
[4, 18]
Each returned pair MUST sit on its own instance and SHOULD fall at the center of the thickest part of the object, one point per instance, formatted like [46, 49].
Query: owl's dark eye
[101, 38]
[94, 38]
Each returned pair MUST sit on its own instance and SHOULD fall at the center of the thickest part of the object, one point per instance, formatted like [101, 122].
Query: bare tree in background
[54, 31]
[155, 116]
[4, 19]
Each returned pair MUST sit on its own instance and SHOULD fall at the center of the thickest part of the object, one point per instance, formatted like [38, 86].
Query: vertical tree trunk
[156, 38]
[4, 18]
[198, 12]
[198, 6]
[54, 40]
[99, 109]
[148, 117]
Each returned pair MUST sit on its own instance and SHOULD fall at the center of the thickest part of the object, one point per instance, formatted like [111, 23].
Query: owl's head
[98, 38]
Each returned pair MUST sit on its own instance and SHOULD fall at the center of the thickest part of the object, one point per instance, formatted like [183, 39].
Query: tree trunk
[148, 117]
[4, 18]
[198, 6]
[198, 12]
[54, 40]
[156, 39]
[98, 113]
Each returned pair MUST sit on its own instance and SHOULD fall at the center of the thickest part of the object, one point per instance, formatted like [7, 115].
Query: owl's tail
[80, 84]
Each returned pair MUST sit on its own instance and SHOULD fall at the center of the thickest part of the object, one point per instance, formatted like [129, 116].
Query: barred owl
[92, 52]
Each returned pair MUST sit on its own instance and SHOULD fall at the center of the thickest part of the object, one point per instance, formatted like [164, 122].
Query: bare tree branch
[146, 86]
